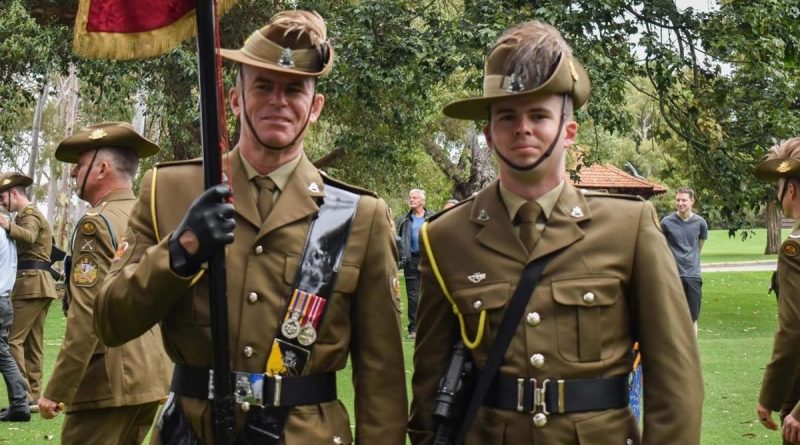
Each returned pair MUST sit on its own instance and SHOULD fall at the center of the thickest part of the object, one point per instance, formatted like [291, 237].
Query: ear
[570, 133]
[316, 108]
[487, 134]
[233, 100]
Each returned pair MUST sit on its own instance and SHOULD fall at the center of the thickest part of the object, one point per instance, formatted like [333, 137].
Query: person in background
[408, 229]
[780, 387]
[686, 232]
[17, 410]
[109, 394]
[34, 289]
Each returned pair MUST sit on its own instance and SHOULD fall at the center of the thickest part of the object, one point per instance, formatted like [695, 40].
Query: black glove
[211, 221]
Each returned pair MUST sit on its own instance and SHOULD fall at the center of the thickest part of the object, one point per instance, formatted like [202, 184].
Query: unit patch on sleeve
[790, 248]
[87, 245]
[84, 271]
[88, 228]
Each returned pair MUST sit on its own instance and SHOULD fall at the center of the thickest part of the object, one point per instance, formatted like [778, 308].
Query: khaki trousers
[123, 425]
[26, 340]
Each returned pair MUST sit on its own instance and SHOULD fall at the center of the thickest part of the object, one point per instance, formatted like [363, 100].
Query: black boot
[15, 414]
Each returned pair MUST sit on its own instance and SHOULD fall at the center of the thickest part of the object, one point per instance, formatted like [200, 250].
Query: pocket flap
[346, 282]
[474, 299]
[587, 292]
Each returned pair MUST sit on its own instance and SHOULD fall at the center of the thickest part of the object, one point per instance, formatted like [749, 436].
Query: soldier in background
[110, 394]
[34, 289]
[780, 388]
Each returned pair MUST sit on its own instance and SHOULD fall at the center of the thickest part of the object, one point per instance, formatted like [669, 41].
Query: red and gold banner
[125, 29]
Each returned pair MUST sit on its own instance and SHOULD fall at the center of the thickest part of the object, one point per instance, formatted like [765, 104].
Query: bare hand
[5, 222]
[765, 417]
[48, 408]
[791, 429]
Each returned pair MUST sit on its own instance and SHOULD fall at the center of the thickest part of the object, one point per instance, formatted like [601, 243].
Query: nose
[523, 125]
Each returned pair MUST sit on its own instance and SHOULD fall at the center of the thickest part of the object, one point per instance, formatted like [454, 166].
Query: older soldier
[111, 393]
[311, 273]
[610, 279]
[780, 389]
[34, 289]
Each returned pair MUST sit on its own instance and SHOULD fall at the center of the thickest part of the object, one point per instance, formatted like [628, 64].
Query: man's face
[415, 201]
[521, 130]
[683, 203]
[277, 104]
[5, 200]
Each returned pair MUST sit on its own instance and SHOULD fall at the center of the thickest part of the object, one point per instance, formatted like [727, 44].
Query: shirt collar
[547, 201]
[280, 176]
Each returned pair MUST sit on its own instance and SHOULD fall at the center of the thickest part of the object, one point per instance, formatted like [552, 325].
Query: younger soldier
[111, 393]
[34, 289]
[780, 389]
[311, 273]
[563, 378]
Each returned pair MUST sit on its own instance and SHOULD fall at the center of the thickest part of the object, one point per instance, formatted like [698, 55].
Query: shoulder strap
[530, 277]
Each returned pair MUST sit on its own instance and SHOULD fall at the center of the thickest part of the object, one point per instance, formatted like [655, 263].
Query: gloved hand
[207, 226]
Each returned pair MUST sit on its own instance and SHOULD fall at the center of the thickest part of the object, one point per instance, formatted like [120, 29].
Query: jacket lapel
[244, 203]
[563, 227]
[298, 200]
[495, 231]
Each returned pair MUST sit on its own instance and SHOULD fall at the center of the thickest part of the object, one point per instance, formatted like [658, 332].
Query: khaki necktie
[266, 187]
[527, 215]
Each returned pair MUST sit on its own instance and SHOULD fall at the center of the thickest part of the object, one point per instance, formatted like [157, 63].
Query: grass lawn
[719, 248]
[737, 322]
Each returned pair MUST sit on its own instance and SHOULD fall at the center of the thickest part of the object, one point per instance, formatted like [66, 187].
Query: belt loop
[276, 399]
[560, 396]
[520, 395]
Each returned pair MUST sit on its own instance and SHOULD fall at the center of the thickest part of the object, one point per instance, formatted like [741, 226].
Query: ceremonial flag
[125, 29]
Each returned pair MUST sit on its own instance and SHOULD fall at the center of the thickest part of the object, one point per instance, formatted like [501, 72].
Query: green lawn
[737, 322]
[719, 248]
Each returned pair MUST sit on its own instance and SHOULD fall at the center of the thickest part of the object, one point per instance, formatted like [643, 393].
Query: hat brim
[239, 56]
[116, 136]
[569, 77]
[776, 168]
[14, 181]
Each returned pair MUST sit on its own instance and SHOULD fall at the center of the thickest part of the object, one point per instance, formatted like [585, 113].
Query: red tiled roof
[613, 179]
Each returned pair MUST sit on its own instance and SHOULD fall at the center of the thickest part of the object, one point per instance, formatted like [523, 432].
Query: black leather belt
[33, 264]
[557, 396]
[258, 389]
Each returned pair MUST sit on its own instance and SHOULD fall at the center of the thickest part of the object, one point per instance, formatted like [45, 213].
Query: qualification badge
[790, 248]
[88, 228]
[84, 271]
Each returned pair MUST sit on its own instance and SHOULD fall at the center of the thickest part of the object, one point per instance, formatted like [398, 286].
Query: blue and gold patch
[84, 271]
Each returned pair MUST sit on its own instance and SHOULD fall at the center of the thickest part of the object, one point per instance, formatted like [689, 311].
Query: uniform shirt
[279, 176]
[416, 224]
[8, 263]
[547, 202]
[683, 238]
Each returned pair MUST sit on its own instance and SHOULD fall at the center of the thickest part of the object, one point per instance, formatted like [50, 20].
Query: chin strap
[253, 130]
[86, 176]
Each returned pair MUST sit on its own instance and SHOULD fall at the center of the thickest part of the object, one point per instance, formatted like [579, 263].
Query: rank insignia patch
[87, 245]
[88, 228]
[790, 249]
[84, 271]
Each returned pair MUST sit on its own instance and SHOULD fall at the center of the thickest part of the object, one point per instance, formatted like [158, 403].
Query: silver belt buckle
[249, 387]
[539, 396]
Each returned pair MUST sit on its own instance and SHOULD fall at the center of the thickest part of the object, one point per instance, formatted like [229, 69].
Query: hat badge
[97, 134]
[515, 85]
[783, 167]
[287, 59]
[6, 181]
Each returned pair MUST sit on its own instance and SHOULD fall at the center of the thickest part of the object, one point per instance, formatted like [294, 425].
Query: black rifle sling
[511, 319]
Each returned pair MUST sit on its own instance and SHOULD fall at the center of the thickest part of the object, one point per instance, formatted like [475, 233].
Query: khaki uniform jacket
[361, 320]
[34, 239]
[87, 374]
[612, 248]
[781, 373]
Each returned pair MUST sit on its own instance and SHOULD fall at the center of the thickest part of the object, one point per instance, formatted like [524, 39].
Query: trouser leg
[411, 273]
[124, 425]
[34, 350]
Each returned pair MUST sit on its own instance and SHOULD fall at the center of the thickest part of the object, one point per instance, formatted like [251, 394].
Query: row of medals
[306, 335]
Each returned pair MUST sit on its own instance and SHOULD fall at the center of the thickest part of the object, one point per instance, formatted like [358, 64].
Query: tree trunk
[37, 124]
[69, 102]
[482, 170]
[774, 217]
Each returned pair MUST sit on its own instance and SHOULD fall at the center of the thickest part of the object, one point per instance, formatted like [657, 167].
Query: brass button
[629, 442]
[537, 360]
[533, 319]
[259, 250]
[477, 304]
[588, 297]
[252, 297]
[540, 420]
[247, 351]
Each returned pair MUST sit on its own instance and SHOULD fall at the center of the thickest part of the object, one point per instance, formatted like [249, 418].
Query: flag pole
[212, 166]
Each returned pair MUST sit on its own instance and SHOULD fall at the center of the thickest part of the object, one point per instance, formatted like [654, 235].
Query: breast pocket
[588, 317]
[482, 307]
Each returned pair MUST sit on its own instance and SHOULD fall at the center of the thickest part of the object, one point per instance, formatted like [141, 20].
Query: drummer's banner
[125, 29]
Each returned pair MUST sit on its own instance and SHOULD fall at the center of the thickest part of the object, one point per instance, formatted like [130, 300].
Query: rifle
[451, 397]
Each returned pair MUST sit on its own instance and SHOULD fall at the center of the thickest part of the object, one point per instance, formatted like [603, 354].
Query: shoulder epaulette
[456, 205]
[343, 185]
[194, 161]
[593, 194]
